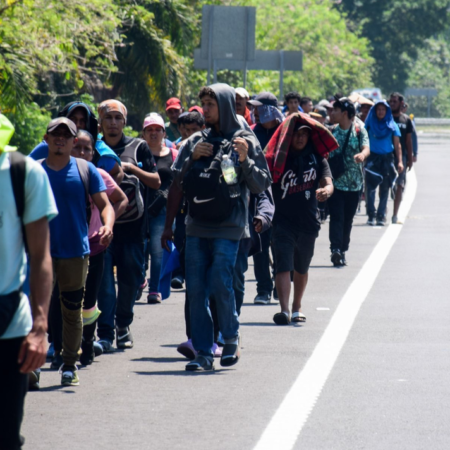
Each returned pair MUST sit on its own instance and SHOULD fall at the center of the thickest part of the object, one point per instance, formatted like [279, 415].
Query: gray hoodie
[253, 173]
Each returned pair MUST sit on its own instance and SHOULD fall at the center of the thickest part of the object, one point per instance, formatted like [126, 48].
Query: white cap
[242, 93]
[225, 157]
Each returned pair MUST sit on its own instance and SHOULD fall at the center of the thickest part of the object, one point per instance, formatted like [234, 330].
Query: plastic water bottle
[228, 170]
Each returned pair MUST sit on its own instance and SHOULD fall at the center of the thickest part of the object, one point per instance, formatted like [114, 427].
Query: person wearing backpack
[217, 218]
[347, 178]
[72, 180]
[26, 207]
[126, 251]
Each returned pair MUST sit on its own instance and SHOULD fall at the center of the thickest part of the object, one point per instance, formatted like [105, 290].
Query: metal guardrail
[431, 122]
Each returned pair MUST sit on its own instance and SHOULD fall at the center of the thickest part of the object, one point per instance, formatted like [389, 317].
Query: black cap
[55, 123]
[345, 104]
[265, 98]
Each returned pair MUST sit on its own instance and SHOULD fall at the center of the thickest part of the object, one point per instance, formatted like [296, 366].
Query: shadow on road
[257, 324]
[57, 387]
[160, 360]
[182, 373]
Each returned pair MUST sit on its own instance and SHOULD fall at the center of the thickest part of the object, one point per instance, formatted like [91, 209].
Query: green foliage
[432, 69]
[396, 30]
[30, 124]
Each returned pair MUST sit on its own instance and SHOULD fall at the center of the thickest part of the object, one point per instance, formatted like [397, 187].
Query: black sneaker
[33, 380]
[200, 363]
[336, 258]
[371, 221]
[344, 261]
[57, 361]
[87, 355]
[176, 283]
[124, 338]
[231, 353]
[381, 222]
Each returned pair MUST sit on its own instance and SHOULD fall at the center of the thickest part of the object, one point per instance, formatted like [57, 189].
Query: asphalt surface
[389, 388]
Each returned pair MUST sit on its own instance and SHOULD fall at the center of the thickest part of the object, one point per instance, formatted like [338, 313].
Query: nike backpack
[205, 189]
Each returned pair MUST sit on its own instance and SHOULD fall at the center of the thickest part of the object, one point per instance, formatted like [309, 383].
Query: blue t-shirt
[385, 145]
[69, 230]
[41, 152]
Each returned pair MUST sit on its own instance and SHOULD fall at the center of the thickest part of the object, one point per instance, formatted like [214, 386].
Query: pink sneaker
[217, 351]
[187, 350]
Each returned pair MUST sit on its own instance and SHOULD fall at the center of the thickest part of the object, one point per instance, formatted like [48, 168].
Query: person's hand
[322, 194]
[127, 167]
[409, 164]
[202, 149]
[359, 158]
[400, 167]
[167, 235]
[106, 235]
[33, 351]
[257, 223]
[414, 159]
[240, 146]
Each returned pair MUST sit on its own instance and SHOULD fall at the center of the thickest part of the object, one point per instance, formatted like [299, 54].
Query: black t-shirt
[406, 127]
[295, 193]
[164, 166]
[135, 231]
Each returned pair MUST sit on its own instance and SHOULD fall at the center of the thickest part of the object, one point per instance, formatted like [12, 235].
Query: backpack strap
[83, 170]
[18, 173]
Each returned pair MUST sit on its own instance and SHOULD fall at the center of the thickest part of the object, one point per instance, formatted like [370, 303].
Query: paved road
[389, 388]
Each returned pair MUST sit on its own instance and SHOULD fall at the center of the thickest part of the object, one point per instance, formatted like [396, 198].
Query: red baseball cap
[196, 108]
[173, 103]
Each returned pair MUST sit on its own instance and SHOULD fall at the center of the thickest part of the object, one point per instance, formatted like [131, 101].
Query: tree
[396, 30]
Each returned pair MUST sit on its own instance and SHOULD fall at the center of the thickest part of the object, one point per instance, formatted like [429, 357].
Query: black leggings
[13, 388]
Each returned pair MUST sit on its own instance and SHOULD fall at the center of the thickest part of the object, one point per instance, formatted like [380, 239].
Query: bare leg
[300, 282]
[283, 284]
[398, 199]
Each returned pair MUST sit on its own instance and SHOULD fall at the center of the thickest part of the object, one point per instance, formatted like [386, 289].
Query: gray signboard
[228, 32]
[429, 93]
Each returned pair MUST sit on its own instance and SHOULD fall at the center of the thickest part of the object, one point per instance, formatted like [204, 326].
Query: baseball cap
[173, 103]
[325, 103]
[153, 119]
[345, 104]
[321, 110]
[301, 127]
[6, 133]
[265, 98]
[242, 92]
[196, 108]
[55, 123]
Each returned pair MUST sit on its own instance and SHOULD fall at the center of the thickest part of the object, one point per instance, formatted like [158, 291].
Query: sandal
[298, 317]
[281, 318]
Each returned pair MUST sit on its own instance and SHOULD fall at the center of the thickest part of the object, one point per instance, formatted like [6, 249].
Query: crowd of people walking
[91, 211]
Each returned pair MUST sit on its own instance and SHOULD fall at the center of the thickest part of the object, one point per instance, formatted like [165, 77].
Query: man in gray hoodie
[211, 246]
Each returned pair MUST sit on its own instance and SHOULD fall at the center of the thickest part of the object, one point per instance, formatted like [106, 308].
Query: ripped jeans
[70, 274]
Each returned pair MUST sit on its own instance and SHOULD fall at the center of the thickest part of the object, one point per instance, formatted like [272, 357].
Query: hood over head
[91, 123]
[226, 99]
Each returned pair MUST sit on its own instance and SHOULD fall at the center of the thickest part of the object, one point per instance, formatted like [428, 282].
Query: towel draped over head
[278, 147]
[112, 106]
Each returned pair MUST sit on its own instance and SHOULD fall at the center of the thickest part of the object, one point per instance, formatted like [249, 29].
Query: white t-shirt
[39, 203]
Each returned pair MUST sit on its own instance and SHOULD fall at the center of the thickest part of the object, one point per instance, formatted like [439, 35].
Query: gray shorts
[293, 250]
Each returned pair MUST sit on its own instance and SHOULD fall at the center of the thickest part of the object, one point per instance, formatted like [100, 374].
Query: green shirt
[172, 132]
[352, 179]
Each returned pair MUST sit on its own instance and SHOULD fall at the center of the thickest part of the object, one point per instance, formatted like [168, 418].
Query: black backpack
[131, 186]
[205, 189]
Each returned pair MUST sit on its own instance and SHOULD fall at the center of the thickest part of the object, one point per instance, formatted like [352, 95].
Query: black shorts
[293, 249]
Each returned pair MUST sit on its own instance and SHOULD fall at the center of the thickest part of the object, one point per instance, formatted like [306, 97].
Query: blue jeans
[209, 272]
[384, 187]
[240, 268]
[261, 263]
[129, 260]
[156, 228]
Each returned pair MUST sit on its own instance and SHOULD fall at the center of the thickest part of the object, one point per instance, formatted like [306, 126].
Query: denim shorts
[293, 249]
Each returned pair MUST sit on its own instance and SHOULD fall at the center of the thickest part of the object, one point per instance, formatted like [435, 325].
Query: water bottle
[228, 170]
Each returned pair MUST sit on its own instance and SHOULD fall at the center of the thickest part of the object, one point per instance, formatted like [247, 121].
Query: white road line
[288, 421]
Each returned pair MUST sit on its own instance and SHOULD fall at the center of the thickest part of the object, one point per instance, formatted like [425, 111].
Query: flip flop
[281, 318]
[298, 317]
